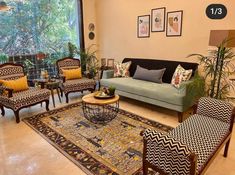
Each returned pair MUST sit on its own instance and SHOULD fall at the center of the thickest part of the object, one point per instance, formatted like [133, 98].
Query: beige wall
[89, 15]
[117, 28]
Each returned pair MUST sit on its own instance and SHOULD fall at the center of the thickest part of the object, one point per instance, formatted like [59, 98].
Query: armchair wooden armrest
[61, 77]
[9, 90]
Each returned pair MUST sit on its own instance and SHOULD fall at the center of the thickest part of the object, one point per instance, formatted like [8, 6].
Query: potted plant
[89, 61]
[111, 90]
[28, 65]
[217, 68]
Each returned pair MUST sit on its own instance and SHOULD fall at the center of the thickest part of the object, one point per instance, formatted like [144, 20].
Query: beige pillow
[122, 69]
[180, 75]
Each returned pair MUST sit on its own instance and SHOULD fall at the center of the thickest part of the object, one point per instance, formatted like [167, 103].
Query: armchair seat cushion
[203, 135]
[78, 85]
[25, 98]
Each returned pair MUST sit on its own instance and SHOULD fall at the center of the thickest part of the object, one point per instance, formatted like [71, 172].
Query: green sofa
[164, 95]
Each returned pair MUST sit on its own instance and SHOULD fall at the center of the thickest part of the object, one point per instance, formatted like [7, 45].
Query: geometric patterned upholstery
[218, 109]
[74, 85]
[68, 64]
[203, 135]
[164, 151]
[24, 98]
[10, 72]
[78, 85]
[21, 99]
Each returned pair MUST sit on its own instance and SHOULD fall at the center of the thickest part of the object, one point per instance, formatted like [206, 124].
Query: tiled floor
[24, 152]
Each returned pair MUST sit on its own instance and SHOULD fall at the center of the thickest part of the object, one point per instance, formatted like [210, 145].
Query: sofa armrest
[108, 74]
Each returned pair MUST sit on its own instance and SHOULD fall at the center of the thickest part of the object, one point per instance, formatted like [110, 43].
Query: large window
[36, 32]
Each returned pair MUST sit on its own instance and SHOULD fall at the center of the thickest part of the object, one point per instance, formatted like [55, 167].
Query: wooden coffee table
[100, 111]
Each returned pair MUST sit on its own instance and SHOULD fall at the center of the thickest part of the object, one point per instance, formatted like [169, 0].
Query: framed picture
[103, 62]
[110, 63]
[174, 23]
[158, 19]
[143, 24]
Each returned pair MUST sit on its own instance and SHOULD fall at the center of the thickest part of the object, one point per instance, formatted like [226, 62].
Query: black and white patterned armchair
[192, 146]
[75, 85]
[21, 99]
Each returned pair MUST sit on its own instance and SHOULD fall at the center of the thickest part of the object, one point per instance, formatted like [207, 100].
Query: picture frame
[174, 23]
[158, 19]
[110, 63]
[103, 62]
[143, 26]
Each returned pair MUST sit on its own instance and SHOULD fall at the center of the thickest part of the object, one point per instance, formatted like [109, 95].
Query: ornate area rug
[111, 149]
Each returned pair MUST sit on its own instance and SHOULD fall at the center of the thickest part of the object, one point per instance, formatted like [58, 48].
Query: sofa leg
[17, 116]
[180, 117]
[47, 105]
[226, 148]
[3, 110]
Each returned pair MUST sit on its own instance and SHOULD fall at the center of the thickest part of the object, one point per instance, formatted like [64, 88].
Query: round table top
[90, 99]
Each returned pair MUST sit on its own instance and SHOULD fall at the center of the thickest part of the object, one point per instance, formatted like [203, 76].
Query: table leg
[52, 95]
[57, 90]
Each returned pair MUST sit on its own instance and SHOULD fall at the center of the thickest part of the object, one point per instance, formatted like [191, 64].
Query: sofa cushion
[149, 75]
[202, 134]
[78, 85]
[163, 92]
[170, 66]
[24, 98]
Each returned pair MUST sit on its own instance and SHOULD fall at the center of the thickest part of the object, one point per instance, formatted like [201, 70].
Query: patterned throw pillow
[121, 69]
[180, 75]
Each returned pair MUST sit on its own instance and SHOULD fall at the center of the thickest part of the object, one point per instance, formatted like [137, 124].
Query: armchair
[73, 85]
[192, 146]
[19, 99]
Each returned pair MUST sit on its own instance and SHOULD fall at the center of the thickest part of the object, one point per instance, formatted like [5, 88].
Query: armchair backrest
[167, 154]
[214, 108]
[11, 71]
[67, 63]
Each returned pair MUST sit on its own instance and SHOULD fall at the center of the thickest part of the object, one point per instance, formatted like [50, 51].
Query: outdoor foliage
[38, 26]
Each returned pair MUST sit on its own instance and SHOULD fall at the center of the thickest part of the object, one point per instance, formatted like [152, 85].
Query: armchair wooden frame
[67, 63]
[11, 94]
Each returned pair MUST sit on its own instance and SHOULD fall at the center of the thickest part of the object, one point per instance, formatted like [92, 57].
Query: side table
[51, 85]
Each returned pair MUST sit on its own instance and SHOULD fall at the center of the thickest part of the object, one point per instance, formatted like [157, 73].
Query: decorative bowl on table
[106, 93]
[103, 95]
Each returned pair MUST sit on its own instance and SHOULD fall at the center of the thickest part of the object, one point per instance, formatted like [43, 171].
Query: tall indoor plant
[89, 61]
[217, 68]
